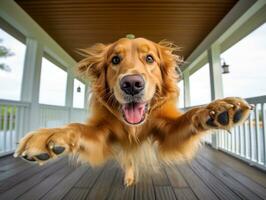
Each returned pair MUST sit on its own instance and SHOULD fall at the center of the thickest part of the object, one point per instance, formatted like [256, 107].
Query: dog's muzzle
[134, 110]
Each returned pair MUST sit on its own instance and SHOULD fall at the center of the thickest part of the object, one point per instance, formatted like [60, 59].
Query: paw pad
[210, 122]
[58, 149]
[223, 118]
[237, 116]
[43, 156]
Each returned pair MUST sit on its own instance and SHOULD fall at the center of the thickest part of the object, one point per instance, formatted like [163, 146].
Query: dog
[134, 117]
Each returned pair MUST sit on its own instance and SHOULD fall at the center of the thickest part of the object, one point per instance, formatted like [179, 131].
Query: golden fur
[166, 135]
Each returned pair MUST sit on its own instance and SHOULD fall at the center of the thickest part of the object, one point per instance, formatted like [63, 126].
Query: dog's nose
[132, 84]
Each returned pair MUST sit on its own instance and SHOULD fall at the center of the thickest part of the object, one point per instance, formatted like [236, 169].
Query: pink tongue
[134, 112]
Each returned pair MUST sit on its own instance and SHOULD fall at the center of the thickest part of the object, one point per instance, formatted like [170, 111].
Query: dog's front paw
[44, 144]
[223, 113]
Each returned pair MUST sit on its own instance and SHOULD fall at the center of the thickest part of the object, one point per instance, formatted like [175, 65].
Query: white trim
[186, 88]
[216, 81]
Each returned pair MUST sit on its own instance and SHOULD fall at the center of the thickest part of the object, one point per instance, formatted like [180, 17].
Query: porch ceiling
[81, 23]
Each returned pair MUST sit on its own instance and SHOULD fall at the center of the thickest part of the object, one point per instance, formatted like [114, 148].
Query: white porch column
[69, 92]
[215, 80]
[31, 82]
[186, 88]
[86, 96]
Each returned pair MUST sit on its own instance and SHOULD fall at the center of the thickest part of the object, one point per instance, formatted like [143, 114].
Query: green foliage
[8, 113]
[4, 52]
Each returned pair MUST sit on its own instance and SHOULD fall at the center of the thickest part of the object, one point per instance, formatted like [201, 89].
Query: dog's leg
[183, 134]
[129, 178]
[44, 144]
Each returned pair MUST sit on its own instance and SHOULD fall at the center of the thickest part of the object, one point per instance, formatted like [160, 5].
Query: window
[247, 66]
[78, 94]
[53, 84]
[200, 90]
[181, 94]
[11, 66]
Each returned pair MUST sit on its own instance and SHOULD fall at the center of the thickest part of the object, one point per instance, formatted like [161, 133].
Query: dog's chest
[144, 156]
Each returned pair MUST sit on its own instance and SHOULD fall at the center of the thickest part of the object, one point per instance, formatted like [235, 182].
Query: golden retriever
[134, 117]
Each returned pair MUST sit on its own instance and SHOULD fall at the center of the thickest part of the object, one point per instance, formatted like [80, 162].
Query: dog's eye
[149, 59]
[116, 60]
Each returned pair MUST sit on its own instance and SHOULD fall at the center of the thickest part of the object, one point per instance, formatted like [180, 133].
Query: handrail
[14, 103]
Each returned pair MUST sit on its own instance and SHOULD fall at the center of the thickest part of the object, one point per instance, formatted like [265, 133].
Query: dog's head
[131, 76]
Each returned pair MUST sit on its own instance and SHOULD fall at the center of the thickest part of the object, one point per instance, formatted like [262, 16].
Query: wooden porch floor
[212, 175]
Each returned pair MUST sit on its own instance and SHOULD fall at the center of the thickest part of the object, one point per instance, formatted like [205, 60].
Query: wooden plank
[47, 184]
[89, 178]
[12, 163]
[196, 184]
[227, 179]
[16, 179]
[220, 158]
[59, 191]
[103, 184]
[77, 194]
[119, 191]
[30, 182]
[185, 194]
[216, 185]
[14, 171]
[161, 179]
[176, 179]
[241, 177]
[145, 190]
[7, 159]
[165, 192]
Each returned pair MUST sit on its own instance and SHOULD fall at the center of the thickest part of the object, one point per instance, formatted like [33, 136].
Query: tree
[4, 52]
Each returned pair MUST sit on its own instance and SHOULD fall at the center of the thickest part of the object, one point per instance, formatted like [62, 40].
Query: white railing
[13, 124]
[248, 141]
[15, 121]
[54, 116]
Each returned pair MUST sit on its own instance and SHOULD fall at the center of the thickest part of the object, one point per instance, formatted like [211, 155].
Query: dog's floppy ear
[95, 58]
[169, 62]
[169, 59]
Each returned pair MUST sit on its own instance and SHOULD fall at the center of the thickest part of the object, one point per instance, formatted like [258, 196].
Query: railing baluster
[263, 120]
[250, 137]
[240, 140]
[21, 123]
[235, 140]
[17, 125]
[227, 141]
[245, 140]
[5, 128]
[1, 132]
[10, 129]
[257, 143]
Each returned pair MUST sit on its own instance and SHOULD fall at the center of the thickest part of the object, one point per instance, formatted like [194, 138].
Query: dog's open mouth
[134, 112]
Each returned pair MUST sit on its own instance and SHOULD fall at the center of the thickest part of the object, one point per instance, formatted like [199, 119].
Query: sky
[246, 59]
